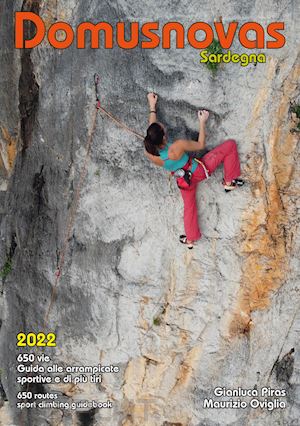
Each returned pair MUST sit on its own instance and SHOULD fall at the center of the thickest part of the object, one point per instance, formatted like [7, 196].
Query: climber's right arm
[180, 146]
[152, 99]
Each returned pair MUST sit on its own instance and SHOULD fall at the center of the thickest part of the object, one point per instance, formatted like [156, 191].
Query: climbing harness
[204, 168]
[184, 175]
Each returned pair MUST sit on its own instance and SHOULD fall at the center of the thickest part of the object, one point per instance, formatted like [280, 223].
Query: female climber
[190, 171]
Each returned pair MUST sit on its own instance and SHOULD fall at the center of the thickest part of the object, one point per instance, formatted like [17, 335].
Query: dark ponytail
[154, 138]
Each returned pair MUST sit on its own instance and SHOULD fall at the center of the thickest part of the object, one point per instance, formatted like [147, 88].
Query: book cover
[149, 213]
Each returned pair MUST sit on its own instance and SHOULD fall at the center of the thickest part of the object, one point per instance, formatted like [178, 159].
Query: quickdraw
[97, 81]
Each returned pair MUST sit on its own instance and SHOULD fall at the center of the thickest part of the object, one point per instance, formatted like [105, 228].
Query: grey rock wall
[177, 323]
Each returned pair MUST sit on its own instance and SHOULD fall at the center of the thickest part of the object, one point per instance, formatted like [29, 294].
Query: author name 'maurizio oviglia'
[271, 398]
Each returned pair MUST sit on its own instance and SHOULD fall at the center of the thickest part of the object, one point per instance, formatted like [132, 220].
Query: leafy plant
[6, 269]
[214, 48]
[156, 321]
[295, 108]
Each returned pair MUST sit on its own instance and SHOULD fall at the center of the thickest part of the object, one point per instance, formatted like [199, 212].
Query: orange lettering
[29, 24]
[60, 44]
[280, 39]
[20, 17]
[166, 36]
[134, 38]
[94, 28]
[200, 26]
[259, 42]
[147, 32]
[226, 40]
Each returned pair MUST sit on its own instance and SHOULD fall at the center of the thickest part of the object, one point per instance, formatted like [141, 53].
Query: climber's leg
[226, 153]
[191, 225]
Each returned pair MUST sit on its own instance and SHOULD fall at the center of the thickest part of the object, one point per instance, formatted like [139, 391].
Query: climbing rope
[114, 119]
[138, 135]
[73, 210]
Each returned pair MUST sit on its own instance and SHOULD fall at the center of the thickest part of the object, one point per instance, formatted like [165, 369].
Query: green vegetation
[97, 172]
[6, 269]
[214, 48]
[296, 110]
[156, 321]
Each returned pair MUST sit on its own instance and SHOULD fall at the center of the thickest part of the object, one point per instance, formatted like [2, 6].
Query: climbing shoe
[183, 240]
[233, 185]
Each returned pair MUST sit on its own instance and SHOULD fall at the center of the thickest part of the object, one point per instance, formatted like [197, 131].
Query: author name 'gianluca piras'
[271, 398]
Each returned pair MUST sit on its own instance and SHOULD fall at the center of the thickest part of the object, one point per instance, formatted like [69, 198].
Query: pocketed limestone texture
[177, 323]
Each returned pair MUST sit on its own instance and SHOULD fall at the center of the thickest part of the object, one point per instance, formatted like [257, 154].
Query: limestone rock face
[177, 323]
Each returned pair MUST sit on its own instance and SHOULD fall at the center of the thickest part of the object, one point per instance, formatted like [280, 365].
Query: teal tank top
[173, 165]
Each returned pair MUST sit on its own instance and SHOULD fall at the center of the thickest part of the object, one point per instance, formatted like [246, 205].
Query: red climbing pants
[225, 153]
